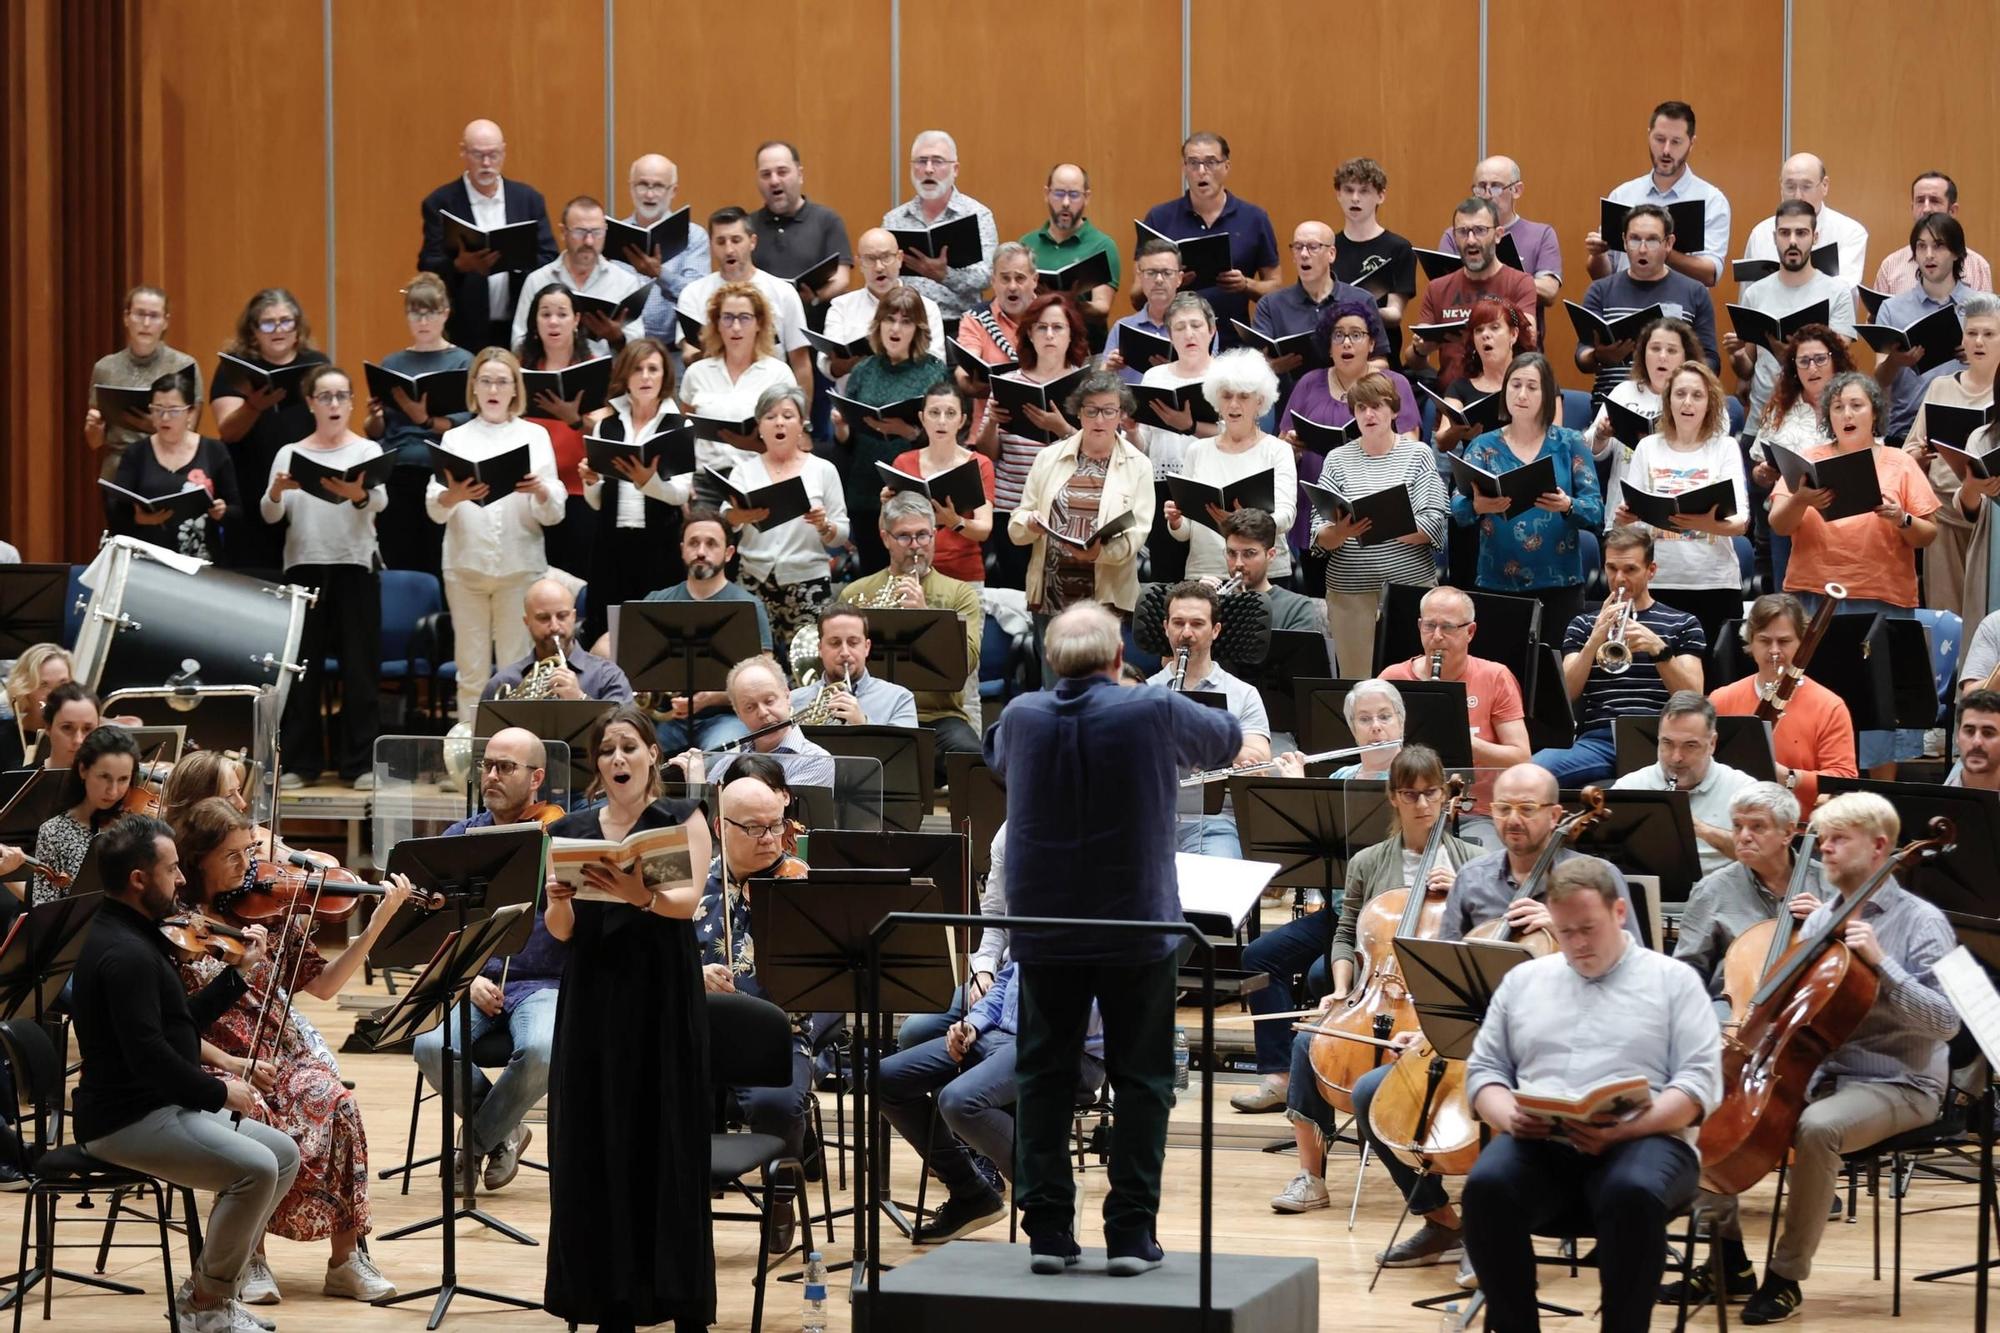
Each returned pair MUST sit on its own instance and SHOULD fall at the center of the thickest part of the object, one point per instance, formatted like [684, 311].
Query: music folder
[960, 356]
[1206, 256]
[587, 383]
[1769, 332]
[959, 236]
[1851, 477]
[1188, 398]
[668, 236]
[857, 347]
[516, 241]
[1522, 485]
[441, 391]
[1939, 334]
[1320, 438]
[1717, 498]
[310, 474]
[1487, 412]
[250, 375]
[1275, 346]
[1628, 427]
[910, 411]
[1256, 491]
[191, 501]
[1825, 258]
[1594, 330]
[1015, 392]
[1143, 349]
[670, 449]
[1093, 270]
[500, 473]
[621, 311]
[785, 499]
[1387, 510]
[1689, 219]
[963, 486]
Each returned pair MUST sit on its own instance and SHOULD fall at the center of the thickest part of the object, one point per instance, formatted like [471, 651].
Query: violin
[1808, 1007]
[329, 893]
[45, 870]
[1756, 953]
[1379, 1007]
[1421, 1111]
[143, 796]
[194, 936]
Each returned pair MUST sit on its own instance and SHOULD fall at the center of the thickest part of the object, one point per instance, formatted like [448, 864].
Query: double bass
[1421, 1112]
[1344, 1047]
[1756, 953]
[1809, 1006]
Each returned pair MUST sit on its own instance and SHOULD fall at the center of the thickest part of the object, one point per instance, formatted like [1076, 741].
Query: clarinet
[1180, 669]
[1437, 665]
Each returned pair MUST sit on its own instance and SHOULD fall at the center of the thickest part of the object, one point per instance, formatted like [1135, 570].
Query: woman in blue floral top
[1539, 553]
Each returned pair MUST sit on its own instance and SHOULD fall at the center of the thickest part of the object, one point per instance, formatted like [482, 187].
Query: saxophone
[537, 683]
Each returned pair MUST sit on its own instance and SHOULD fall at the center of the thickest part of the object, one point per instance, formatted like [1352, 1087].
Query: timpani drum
[155, 618]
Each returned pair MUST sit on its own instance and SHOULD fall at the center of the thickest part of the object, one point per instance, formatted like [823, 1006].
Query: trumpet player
[909, 534]
[1194, 620]
[847, 693]
[1654, 650]
[549, 611]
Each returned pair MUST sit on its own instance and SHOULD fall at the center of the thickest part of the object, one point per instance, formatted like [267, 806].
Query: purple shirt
[1541, 250]
[1252, 246]
[1310, 399]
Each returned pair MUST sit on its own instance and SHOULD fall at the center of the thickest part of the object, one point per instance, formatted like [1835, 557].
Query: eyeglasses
[652, 187]
[1066, 196]
[505, 768]
[284, 325]
[924, 538]
[1523, 809]
[931, 163]
[1487, 189]
[1101, 411]
[736, 317]
[1417, 795]
[487, 154]
[1644, 242]
[1441, 626]
[1204, 163]
[1159, 274]
[1352, 336]
[1472, 233]
[490, 382]
[757, 832]
[586, 233]
[882, 260]
[332, 396]
[1309, 247]
[162, 410]
[1812, 360]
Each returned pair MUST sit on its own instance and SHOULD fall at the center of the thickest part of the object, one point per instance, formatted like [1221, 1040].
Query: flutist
[1194, 620]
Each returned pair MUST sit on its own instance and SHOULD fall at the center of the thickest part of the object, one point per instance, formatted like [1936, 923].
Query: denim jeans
[1207, 835]
[708, 733]
[1297, 946]
[498, 1106]
[1592, 758]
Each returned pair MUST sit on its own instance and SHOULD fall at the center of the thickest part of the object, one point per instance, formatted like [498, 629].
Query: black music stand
[1295, 654]
[1743, 743]
[1981, 937]
[484, 875]
[674, 649]
[813, 938]
[908, 756]
[36, 800]
[1551, 715]
[429, 1001]
[1434, 716]
[567, 720]
[1309, 829]
[918, 648]
[1959, 881]
[978, 803]
[32, 602]
[1645, 833]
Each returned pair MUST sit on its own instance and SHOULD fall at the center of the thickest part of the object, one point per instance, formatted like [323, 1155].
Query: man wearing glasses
[850, 315]
[518, 993]
[909, 531]
[1498, 180]
[481, 297]
[1476, 225]
[1296, 309]
[1157, 267]
[143, 359]
[582, 268]
[1493, 705]
[1644, 281]
[733, 246]
[1208, 206]
[653, 181]
[1669, 145]
[953, 281]
[1069, 237]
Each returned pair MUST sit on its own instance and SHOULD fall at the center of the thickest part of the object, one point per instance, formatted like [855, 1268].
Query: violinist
[1886, 1079]
[201, 774]
[1815, 734]
[1746, 892]
[1978, 741]
[304, 1095]
[1416, 802]
[145, 1100]
[1687, 763]
[69, 713]
[1526, 811]
[1605, 1008]
[518, 993]
[93, 795]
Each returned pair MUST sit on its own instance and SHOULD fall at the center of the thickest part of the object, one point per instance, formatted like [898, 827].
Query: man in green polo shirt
[1070, 236]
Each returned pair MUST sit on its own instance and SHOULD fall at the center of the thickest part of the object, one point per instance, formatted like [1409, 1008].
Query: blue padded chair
[1944, 628]
[408, 595]
[1003, 662]
[1576, 413]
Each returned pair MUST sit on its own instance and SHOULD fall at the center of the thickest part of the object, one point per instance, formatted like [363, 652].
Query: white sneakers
[259, 1287]
[230, 1318]
[358, 1279]
[1303, 1195]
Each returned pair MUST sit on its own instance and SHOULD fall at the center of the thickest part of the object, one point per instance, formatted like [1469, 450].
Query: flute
[1218, 774]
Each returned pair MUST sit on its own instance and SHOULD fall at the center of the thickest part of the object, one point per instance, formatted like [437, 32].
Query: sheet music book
[249, 375]
[1523, 485]
[591, 379]
[1487, 412]
[1689, 226]
[442, 391]
[1658, 510]
[1971, 992]
[309, 473]
[1256, 491]
[1142, 349]
[668, 236]
[962, 485]
[191, 501]
[514, 240]
[670, 450]
[1851, 478]
[1592, 329]
[1770, 331]
[1205, 256]
[960, 236]
[1321, 438]
[1388, 510]
[1825, 258]
[785, 499]
[960, 356]
[1187, 398]
[501, 473]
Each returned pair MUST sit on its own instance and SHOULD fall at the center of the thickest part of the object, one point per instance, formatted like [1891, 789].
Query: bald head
[549, 611]
[484, 149]
[511, 772]
[1452, 603]
[1498, 179]
[1526, 782]
[652, 182]
[1803, 177]
[881, 261]
[751, 801]
[520, 745]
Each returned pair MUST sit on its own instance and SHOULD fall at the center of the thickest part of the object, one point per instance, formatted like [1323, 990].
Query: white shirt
[322, 529]
[632, 499]
[1708, 801]
[1167, 448]
[607, 281]
[850, 314]
[1715, 216]
[505, 536]
[1687, 559]
[707, 389]
[486, 215]
[791, 552]
[1208, 554]
[1835, 227]
[788, 312]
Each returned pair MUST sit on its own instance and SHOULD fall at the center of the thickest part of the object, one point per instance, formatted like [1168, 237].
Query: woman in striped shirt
[1055, 344]
[1356, 569]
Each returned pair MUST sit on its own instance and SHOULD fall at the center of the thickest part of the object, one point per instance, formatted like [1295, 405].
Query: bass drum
[151, 613]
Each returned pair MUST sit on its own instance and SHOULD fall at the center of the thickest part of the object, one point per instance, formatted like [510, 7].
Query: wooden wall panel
[691, 86]
[232, 104]
[987, 75]
[1331, 84]
[1870, 156]
[400, 102]
[1568, 96]
[32, 463]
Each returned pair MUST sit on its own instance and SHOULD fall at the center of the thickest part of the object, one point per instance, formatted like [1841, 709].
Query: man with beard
[517, 993]
[1796, 285]
[953, 281]
[582, 268]
[1070, 237]
[1669, 144]
[707, 547]
[653, 181]
[1688, 763]
[1644, 281]
[1978, 741]
[1476, 224]
[794, 233]
[850, 315]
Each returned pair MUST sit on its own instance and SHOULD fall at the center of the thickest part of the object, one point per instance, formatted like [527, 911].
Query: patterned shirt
[1638, 691]
[1067, 580]
[1539, 549]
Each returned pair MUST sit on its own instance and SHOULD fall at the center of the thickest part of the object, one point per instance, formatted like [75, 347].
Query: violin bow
[292, 913]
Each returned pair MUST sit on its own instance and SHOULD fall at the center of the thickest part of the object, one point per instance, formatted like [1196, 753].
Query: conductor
[1091, 834]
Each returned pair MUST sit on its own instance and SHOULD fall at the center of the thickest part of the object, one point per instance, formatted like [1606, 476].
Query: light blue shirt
[1715, 216]
[1906, 391]
[883, 703]
[676, 272]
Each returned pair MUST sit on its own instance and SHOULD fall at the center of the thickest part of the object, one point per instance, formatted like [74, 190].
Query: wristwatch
[1792, 780]
[1907, 520]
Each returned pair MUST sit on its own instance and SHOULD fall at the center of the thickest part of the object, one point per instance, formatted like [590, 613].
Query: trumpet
[1218, 774]
[1614, 655]
[1231, 586]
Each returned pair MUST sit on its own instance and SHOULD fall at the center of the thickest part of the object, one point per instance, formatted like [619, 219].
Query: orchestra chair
[1577, 410]
[750, 1046]
[1681, 1253]
[1004, 662]
[56, 1170]
[492, 1049]
[408, 597]
[431, 642]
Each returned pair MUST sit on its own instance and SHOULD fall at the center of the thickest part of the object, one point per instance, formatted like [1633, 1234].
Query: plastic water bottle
[1180, 1062]
[814, 1318]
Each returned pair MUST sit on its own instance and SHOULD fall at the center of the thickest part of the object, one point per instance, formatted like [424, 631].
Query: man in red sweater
[1448, 300]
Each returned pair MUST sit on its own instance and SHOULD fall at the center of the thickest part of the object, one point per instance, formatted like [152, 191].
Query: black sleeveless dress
[630, 1239]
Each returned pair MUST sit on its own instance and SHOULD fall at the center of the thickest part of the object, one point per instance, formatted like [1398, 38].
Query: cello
[1344, 1047]
[1756, 953]
[1802, 1012]
[1421, 1112]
